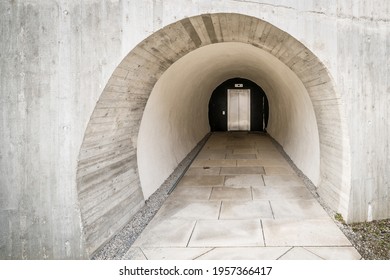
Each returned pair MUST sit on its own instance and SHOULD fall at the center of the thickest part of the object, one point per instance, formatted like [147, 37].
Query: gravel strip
[372, 239]
[117, 247]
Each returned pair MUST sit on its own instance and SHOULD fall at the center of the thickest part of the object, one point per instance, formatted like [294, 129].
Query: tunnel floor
[240, 199]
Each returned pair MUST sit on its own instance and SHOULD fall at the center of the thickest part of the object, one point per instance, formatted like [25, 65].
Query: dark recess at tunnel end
[218, 104]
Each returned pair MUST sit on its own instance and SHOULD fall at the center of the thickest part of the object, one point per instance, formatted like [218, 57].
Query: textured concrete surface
[63, 86]
[238, 223]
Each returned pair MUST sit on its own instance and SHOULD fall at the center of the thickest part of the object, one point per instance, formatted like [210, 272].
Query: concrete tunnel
[154, 111]
[179, 105]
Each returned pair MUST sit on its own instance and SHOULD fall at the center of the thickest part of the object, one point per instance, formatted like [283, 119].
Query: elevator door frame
[239, 109]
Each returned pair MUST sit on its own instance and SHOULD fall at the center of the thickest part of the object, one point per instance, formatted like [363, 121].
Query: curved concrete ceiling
[176, 115]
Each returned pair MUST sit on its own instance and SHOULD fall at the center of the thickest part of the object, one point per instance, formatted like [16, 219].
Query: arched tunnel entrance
[180, 100]
[154, 110]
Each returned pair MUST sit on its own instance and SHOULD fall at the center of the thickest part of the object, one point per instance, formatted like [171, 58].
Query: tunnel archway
[179, 102]
[153, 111]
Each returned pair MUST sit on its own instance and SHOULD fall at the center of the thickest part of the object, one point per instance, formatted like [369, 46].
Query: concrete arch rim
[195, 35]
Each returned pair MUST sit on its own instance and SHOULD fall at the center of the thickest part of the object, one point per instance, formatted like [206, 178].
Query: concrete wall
[58, 56]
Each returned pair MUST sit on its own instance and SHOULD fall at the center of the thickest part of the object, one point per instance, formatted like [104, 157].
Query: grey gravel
[372, 239]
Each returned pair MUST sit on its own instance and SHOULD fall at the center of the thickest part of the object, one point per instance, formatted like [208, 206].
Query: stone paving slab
[166, 233]
[249, 162]
[282, 180]
[245, 253]
[240, 151]
[214, 163]
[234, 210]
[298, 209]
[278, 170]
[190, 193]
[281, 193]
[299, 253]
[214, 144]
[335, 253]
[269, 154]
[200, 171]
[217, 150]
[249, 180]
[307, 232]
[273, 162]
[242, 253]
[261, 162]
[174, 253]
[212, 155]
[242, 170]
[193, 210]
[199, 180]
[223, 233]
[225, 193]
[240, 146]
[242, 156]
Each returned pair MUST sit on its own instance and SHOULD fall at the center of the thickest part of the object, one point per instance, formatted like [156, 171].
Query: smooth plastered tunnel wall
[116, 172]
[176, 115]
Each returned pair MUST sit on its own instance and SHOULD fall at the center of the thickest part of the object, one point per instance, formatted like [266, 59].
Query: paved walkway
[240, 199]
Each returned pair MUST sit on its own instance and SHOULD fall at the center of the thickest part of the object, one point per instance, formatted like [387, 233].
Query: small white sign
[239, 85]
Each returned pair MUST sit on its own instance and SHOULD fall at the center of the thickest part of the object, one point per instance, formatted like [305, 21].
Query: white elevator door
[239, 113]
